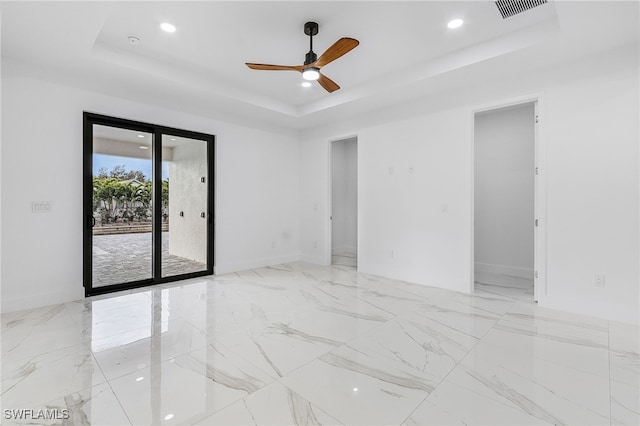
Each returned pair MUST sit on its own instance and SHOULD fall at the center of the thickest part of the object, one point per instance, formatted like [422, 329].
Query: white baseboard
[39, 300]
[253, 264]
[513, 271]
[316, 260]
[602, 309]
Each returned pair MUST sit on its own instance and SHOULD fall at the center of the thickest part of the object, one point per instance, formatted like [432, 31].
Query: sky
[130, 164]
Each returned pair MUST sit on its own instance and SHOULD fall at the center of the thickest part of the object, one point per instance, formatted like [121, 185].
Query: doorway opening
[148, 204]
[344, 202]
[505, 223]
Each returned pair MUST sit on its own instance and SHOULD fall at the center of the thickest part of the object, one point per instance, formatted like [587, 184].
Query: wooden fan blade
[337, 49]
[328, 84]
[269, 67]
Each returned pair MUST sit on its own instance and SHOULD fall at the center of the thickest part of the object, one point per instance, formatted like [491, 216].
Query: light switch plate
[41, 206]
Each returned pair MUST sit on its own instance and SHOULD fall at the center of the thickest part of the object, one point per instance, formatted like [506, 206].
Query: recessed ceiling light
[306, 84]
[170, 28]
[168, 417]
[141, 136]
[144, 147]
[455, 23]
[172, 139]
[139, 379]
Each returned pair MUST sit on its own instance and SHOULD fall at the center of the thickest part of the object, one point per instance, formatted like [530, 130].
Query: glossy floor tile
[309, 345]
[517, 288]
[344, 259]
[272, 405]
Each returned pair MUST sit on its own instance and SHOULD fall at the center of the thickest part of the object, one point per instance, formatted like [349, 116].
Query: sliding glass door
[148, 204]
[185, 196]
[122, 206]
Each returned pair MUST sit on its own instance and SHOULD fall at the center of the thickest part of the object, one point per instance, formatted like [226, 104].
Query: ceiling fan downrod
[310, 29]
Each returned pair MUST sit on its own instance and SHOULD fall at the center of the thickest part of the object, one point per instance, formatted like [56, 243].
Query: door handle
[91, 221]
[203, 215]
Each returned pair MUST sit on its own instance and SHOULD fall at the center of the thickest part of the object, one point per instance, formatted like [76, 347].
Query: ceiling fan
[311, 68]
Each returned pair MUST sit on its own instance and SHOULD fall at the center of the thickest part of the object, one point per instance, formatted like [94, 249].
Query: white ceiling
[136, 137]
[122, 135]
[405, 49]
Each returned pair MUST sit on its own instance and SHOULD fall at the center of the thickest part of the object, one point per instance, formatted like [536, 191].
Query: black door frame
[89, 119]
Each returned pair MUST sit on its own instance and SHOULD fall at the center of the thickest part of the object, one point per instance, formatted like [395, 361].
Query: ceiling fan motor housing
[310, 57]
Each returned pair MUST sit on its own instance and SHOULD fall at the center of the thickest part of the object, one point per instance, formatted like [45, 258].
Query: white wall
[589, 125]
[187, 194]
[344, 197]
[315, 205]
[257, 181]
[592, 196]
[413, 199]
[268, 185]
[504, 190]
[413, 210]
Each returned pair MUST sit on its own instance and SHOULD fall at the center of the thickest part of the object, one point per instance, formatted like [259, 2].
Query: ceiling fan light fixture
[311, 68]
[311, 73]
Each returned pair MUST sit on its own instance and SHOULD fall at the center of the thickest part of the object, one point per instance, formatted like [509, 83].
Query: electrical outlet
[599, 281]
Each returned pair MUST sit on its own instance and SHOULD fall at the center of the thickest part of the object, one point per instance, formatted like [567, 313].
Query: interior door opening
[148, 204]
[344, 202]
[504, 261]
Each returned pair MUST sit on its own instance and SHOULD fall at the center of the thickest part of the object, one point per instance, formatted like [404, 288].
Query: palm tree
[105, 192]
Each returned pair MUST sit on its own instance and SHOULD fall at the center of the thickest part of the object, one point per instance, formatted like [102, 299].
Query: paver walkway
[123, 258]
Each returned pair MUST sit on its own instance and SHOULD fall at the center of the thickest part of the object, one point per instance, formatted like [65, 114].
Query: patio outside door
[148, 204]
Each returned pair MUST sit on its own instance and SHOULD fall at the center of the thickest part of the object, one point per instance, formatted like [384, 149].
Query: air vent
[512, 7]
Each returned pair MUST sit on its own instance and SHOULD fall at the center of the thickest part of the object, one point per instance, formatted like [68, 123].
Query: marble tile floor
[306, 344]
[344, 260]
[517, 288]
